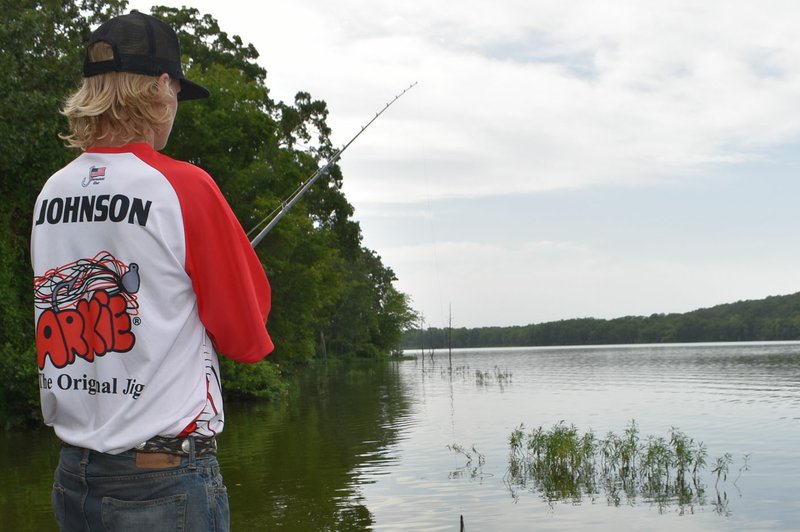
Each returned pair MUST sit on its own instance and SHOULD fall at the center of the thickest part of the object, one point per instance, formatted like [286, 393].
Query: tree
[40, 43]
[769, 319]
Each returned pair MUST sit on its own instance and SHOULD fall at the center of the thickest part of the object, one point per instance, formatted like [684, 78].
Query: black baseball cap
[142, 44]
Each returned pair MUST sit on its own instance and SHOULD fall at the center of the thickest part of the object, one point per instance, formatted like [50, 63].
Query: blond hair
[121, 106]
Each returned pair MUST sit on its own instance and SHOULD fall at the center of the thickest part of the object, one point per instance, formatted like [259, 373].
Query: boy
[141, 274]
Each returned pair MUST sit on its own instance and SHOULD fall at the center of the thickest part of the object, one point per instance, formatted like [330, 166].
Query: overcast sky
[558, 159]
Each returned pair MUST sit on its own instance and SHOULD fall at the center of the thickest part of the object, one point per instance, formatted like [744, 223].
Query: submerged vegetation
[497, 376]
[563, 465]
[473, 468]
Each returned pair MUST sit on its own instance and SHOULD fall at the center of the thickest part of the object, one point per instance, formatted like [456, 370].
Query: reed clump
[564, 465]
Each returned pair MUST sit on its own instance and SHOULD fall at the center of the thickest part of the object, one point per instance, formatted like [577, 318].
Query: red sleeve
[233, 293]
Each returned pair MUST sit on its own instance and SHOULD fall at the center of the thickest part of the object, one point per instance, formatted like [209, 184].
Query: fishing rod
[296, 195]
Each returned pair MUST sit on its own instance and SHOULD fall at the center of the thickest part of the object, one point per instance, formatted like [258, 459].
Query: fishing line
[434, 246]
[435, 256]
[266, 218]
[277, 209]
[306, 185]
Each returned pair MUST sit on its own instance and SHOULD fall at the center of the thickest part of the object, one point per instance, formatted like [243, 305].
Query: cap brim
[192, 91]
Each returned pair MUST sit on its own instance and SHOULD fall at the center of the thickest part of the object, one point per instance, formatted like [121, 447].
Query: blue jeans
[101, 492]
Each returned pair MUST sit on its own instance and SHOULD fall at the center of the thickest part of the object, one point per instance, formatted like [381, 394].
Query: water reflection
[28, 460]
[296, 466]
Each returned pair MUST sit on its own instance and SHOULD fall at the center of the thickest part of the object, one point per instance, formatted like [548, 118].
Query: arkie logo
[87, 306]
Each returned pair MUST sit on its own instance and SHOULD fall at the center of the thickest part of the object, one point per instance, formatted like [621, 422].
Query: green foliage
[19, 398]
[772, 318]
[40, 61]
[371, 313]
[331, 296]
[262, 379]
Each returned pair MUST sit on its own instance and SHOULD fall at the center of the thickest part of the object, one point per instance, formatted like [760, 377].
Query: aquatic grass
[497, 376]
[560, 462]
[722, 466]
[502, 376]
[699, 455]
[474, 464]
[563, 464]
[483, 378]
[619, 454]
[745, 467]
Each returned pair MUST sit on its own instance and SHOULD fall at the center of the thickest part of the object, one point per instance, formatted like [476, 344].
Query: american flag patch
[95, 171]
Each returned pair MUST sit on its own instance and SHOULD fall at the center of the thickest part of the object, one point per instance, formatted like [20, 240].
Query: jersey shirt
[141, 274]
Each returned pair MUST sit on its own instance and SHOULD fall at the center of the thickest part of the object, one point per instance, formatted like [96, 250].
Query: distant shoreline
[772, 319]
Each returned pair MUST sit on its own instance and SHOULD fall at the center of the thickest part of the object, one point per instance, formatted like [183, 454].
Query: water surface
[365, 446]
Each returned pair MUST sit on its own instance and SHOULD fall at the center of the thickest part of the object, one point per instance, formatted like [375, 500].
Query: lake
[420, 444]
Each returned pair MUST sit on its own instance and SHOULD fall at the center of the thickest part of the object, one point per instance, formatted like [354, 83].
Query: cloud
[559, 97]
[522, 96]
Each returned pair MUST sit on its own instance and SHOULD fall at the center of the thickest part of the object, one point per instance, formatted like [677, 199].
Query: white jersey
[141, 273]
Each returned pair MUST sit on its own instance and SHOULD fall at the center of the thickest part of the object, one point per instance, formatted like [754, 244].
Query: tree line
[332, 297]
[770, 319]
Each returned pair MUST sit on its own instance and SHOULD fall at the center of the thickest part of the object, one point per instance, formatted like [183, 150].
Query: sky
[555, 160]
